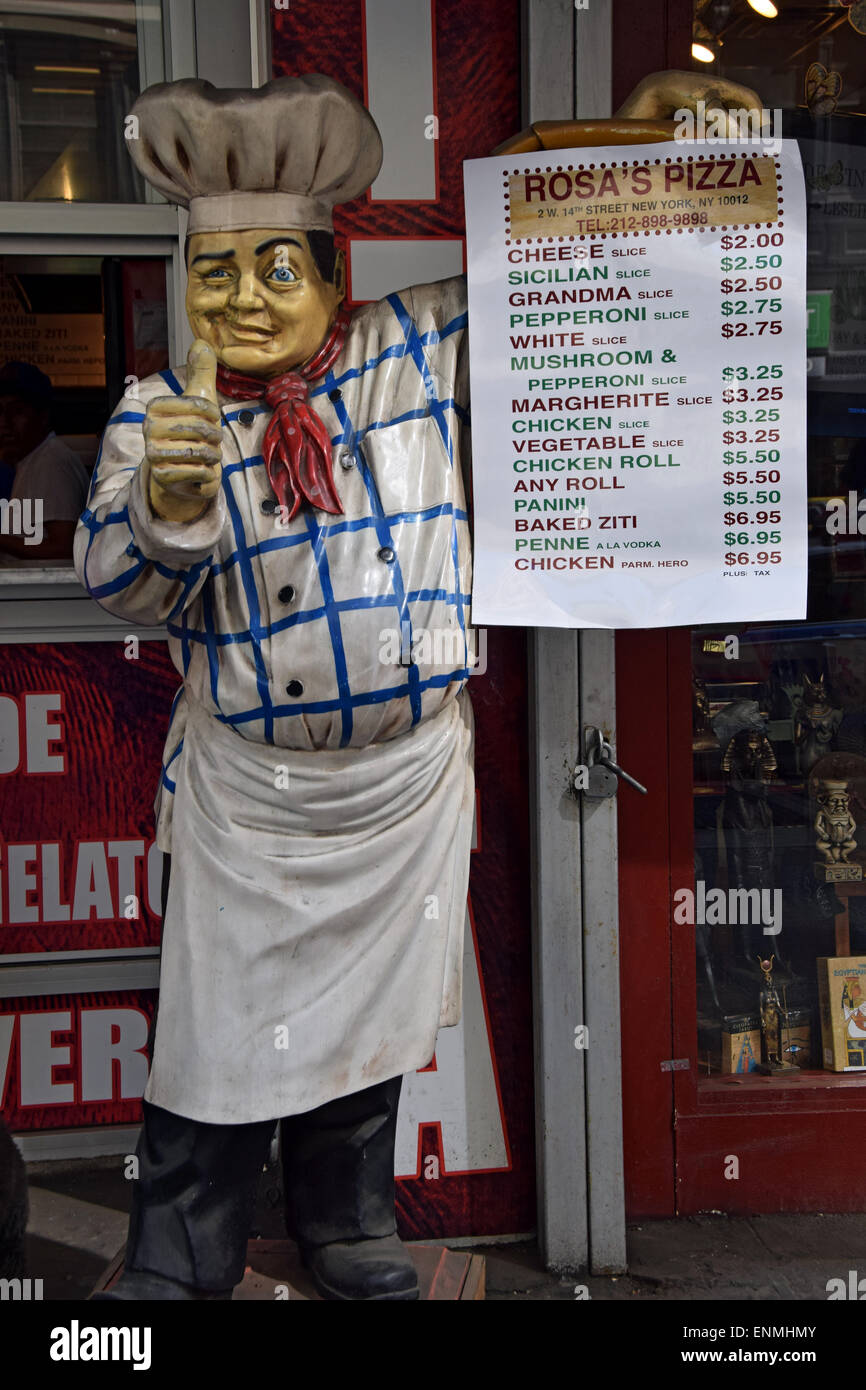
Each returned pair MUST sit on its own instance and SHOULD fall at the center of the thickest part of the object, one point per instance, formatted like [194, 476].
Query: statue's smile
[248, 332]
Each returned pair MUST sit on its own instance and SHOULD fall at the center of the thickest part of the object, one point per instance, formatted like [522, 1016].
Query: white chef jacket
[297, 638]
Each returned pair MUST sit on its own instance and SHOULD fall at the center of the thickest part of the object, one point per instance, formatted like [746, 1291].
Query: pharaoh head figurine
[749, 756]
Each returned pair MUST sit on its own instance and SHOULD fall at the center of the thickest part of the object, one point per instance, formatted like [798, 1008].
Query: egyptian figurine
[774, 1019]
[834, 824]
[749, 764]
[815, 724]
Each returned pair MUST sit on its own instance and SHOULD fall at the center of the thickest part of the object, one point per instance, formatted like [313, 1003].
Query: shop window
[779, 735]
[77, 333]
[69, 73]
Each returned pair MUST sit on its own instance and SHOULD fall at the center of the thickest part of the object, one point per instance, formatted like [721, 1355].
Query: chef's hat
[280, 155]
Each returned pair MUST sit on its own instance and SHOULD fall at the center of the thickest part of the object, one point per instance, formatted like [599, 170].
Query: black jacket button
[386, 554]
[335, 395]
[286, 594]
[295, 688]
[269, 506]
[246, 417]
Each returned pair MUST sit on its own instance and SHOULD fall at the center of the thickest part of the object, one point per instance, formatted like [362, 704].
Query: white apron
[312, 944]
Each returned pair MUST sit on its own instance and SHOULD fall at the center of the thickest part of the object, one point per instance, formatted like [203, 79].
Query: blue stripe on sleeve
[127, 417]
[415, 348]
[171, 381]
[436, 335]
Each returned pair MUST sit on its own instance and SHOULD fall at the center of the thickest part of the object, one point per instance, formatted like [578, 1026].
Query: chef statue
[284, 505]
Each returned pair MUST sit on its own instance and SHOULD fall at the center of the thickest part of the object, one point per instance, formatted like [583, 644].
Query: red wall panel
[112, 716]
[649, 37]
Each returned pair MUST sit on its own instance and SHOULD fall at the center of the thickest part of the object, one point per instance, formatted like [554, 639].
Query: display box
[842, 995]
[741, 1043]
[797, 1038]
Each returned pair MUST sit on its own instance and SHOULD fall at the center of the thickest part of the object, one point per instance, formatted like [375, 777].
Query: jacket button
[246, 417]
[286, 594]
[335, 395]
[386, 554]
[295, 688]
[269, 505]
[347, 460]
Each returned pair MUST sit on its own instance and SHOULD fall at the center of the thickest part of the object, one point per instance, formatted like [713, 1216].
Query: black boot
[380, 1270]
[338, 1163]
[192, 1208]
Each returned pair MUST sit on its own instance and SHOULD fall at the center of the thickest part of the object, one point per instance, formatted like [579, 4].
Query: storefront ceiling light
[68, 91]
[705, 43]
[52, 67]
[766, 8]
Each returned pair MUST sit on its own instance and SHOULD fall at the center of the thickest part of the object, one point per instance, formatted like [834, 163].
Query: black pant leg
[338, 1166]
[194, 1198]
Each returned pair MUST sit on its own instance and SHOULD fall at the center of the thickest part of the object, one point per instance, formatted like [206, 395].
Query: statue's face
[258, 299]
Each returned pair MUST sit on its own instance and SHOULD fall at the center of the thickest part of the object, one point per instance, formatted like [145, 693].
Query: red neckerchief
[296, 446]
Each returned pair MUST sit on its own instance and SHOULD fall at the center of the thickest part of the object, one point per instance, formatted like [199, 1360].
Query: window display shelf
[806, 1089]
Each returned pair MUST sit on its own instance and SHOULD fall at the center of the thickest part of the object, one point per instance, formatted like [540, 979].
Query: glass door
[753, 1096]
[779, 712]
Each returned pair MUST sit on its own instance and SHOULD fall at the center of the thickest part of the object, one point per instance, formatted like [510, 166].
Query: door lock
[601, 772]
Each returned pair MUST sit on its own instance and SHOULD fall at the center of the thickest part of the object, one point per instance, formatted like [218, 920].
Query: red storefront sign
[72, 1060]
[81, 734]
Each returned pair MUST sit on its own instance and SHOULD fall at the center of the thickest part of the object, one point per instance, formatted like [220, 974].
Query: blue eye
[212, 274]
[282, 274]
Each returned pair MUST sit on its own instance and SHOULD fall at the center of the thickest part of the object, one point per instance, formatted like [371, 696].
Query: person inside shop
[42, 474]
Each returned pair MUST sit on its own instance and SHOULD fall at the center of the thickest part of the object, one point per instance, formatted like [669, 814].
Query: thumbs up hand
[182, 439]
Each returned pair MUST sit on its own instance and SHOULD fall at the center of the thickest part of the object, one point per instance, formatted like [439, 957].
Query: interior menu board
[637, 332]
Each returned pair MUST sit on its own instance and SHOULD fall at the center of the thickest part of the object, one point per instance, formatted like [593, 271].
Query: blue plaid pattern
[286, 632]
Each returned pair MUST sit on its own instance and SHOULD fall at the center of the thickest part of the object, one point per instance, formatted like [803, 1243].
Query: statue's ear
[340, 275]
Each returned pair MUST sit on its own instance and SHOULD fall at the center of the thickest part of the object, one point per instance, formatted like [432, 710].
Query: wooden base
[275, 1273]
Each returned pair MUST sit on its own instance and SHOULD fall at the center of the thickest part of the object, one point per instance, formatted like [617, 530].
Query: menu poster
[637, 340]
[69, 348]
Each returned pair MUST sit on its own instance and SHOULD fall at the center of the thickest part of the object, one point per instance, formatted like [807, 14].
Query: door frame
[581, 1223]
[582, 61]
